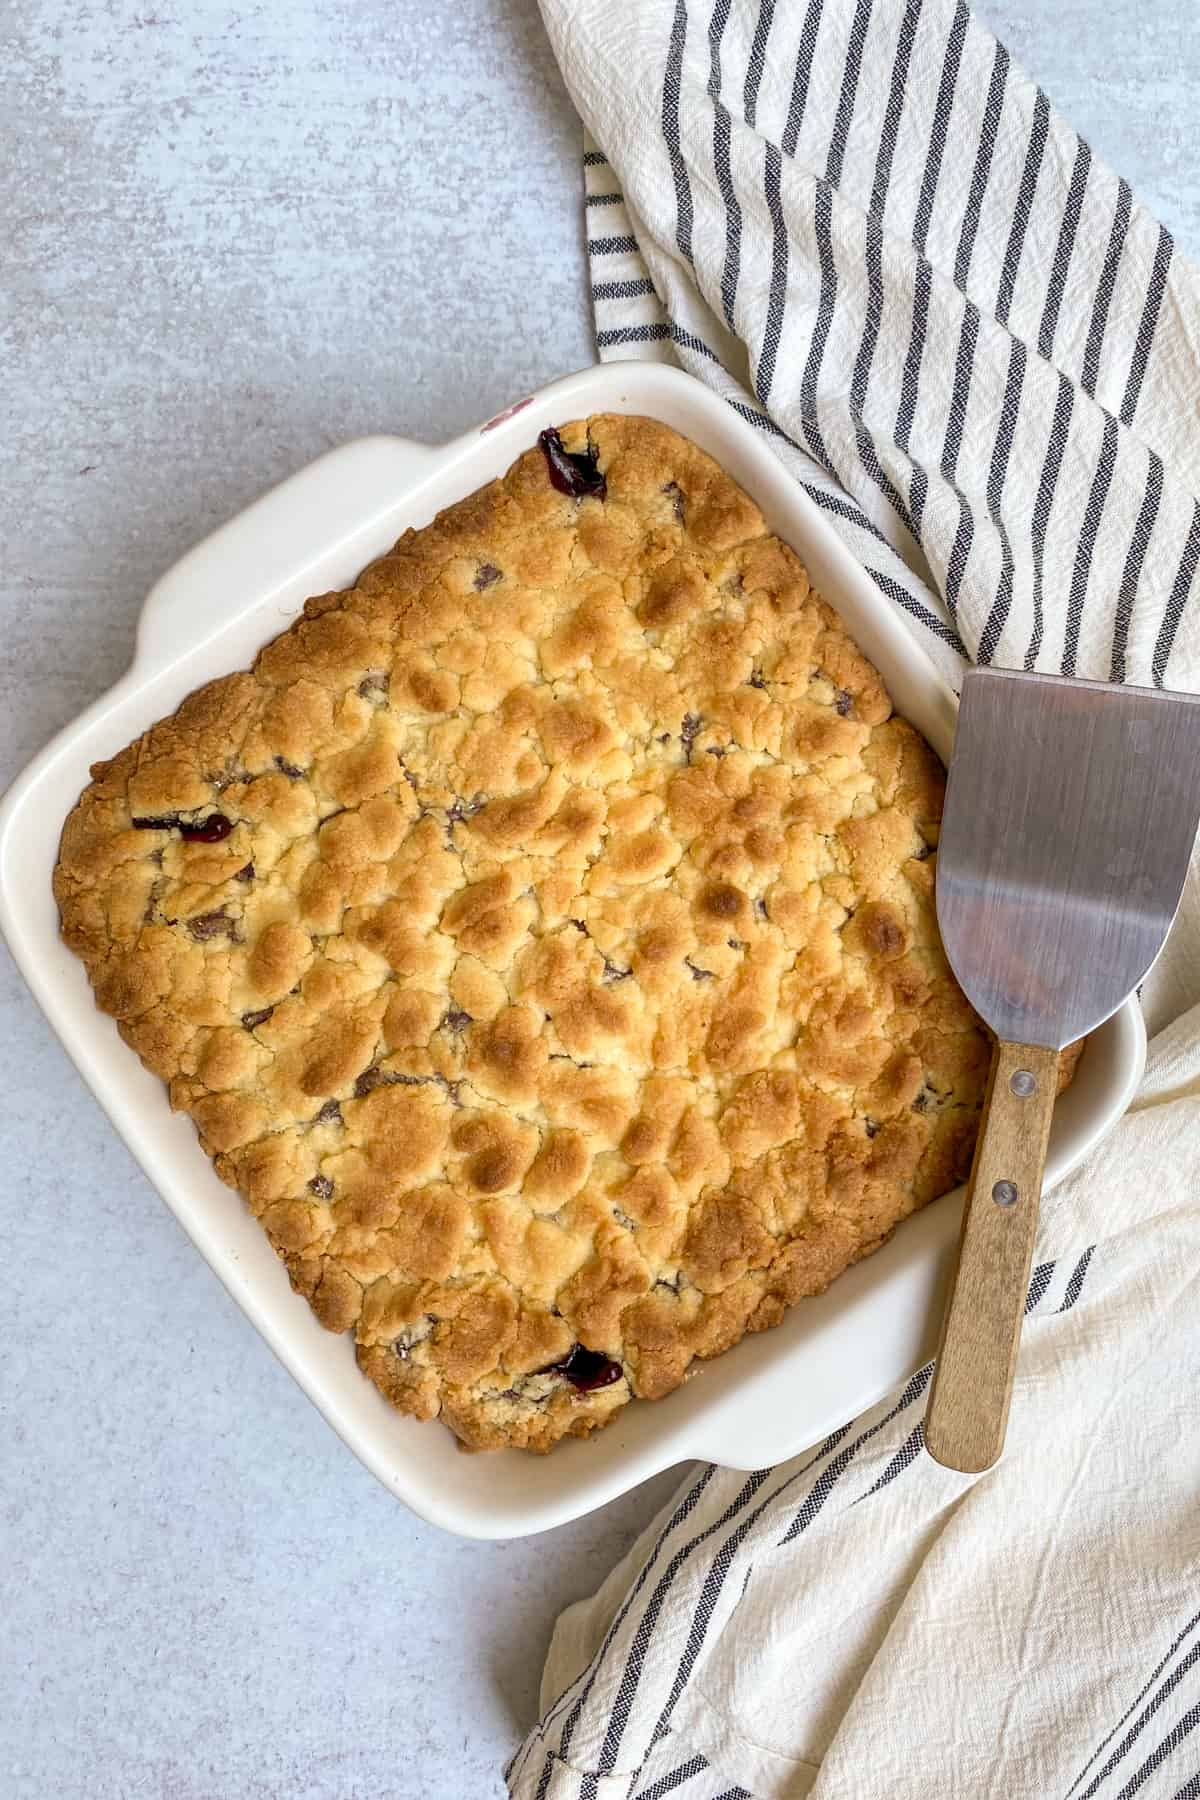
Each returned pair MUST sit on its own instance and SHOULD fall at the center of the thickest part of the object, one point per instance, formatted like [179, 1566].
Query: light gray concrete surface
[231, 236]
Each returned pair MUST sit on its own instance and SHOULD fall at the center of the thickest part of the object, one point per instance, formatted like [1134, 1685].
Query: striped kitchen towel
[865, 227]
[858, 221]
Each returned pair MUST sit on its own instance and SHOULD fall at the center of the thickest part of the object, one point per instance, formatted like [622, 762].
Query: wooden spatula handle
[972, 1384]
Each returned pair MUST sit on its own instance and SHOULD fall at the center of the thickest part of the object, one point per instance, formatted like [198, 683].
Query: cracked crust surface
[568, 973]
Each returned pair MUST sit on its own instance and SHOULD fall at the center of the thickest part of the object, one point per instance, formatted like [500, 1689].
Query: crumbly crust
[569, 974]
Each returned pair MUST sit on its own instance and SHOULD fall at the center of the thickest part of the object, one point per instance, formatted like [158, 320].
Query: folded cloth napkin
[865, 227]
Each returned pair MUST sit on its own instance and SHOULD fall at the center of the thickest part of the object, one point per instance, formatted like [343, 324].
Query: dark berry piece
[212, 830]
[246, 874]
[760, 907]
[689, 731]
[321, 1186]
[252, 1020]
[330, 1114]
[375, 1077]
[486, 576]
[844, 703]
[757, 679]
[614, 972]
[456, 1021]
[292, 770]
[460, 810]
[699, 974]
[374, 685]
[674, 494]
[572, 472]
[208, 831]
[871, 1127]
[586, 1369]
[212, 925]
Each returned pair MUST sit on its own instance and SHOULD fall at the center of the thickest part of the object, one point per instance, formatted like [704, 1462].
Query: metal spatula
[1070, 814]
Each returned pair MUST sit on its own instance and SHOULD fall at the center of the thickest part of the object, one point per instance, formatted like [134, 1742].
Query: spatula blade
[1071, 811]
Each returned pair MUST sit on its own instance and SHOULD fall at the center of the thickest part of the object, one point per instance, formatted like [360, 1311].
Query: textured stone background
[231, 236]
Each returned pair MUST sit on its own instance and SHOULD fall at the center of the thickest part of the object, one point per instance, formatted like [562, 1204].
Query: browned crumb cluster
[541, 938]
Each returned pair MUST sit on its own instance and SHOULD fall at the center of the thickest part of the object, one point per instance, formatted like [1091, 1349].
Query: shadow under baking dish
[772, 1395]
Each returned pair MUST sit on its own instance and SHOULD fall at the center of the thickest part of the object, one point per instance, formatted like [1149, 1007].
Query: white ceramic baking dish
[771, 1396]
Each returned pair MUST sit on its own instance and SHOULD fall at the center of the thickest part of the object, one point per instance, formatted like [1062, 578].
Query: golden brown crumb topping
[541, 938]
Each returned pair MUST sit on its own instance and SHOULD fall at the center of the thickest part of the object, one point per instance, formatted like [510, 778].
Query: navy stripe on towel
[1145, 336]
[1185, 575]
[611, 246]
[672, 91]
[666, 1784]
[1132, 572]
[1104, 293]
[1101, 482]
[1078, 1276]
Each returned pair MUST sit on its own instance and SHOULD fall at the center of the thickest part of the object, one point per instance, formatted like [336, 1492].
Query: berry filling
[208, 831]
[212, 925]
[586, 1369]
[572, 472]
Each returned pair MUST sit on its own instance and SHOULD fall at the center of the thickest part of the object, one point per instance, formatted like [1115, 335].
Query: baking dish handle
[271, 545]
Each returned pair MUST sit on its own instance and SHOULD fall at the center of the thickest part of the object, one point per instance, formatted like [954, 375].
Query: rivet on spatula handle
[972, 1384]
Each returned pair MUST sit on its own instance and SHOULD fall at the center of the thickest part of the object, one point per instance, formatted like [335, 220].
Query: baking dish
[772, 1395]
